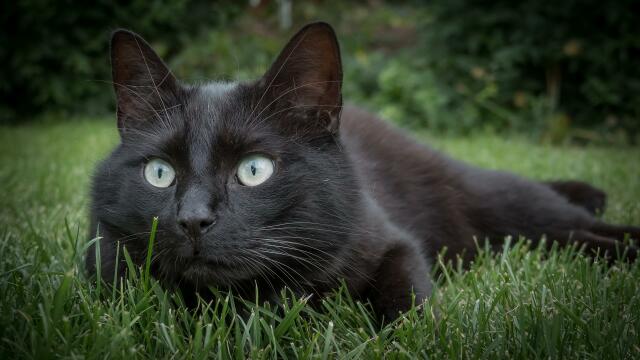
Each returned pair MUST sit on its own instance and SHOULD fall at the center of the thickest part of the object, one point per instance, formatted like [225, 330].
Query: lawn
[520, 303]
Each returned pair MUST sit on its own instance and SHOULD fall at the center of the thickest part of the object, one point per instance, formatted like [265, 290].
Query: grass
[521, 304]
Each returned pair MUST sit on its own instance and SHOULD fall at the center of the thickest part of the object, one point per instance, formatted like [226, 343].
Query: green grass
[526, 304]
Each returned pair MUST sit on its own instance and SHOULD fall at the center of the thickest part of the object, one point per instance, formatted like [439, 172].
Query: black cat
[274, 183]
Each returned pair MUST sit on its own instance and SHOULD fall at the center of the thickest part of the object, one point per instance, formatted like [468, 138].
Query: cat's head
[248, 180]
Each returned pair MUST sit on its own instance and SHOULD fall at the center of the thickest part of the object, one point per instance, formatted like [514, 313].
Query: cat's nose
[196, 224]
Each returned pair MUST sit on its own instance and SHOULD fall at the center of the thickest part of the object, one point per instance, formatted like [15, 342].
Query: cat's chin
[213, 271]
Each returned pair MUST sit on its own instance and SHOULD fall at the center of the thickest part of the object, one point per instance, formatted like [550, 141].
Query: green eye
[159, 173]
[254, 170]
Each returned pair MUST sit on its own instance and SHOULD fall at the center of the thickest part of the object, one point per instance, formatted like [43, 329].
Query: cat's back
[417, 186]
[381, 152]
[440, 199]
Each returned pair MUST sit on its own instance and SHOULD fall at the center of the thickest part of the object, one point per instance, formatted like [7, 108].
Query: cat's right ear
[306, 78]
[145, 87]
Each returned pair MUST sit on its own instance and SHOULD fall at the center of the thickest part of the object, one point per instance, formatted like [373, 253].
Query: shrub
[55, 54]
[539, 64]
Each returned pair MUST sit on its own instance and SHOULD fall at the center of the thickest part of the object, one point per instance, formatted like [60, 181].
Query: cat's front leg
[402, 273]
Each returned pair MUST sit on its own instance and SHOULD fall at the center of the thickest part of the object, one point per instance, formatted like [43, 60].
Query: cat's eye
[254, 170]
[159, 173]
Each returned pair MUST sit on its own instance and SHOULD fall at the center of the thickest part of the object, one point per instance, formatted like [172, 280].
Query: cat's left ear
[307, 77]
[145, 87]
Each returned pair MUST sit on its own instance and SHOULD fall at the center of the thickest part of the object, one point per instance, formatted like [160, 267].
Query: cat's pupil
[253, 169]
[159, 173]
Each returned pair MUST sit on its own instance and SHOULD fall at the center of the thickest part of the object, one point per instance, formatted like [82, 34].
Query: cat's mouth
[213, 263]
[214, 271]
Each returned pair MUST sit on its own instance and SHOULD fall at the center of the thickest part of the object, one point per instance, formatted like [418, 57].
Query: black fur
[581, 194]
[351, 198]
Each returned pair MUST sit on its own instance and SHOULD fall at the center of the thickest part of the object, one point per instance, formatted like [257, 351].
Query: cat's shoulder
[364, 132]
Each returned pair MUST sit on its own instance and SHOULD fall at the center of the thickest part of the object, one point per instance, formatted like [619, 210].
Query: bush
[538, 64]
[55, 54]
[554, 70]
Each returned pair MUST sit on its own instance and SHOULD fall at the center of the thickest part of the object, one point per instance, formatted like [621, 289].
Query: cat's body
[346, 197]
[467, 201]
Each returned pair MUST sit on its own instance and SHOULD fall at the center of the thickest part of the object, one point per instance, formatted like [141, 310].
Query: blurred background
[555, 71]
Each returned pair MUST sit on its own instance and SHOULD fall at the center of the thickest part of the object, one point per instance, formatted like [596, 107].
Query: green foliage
[519, 304]
[538, 65]
[54, 55]
[455, 66]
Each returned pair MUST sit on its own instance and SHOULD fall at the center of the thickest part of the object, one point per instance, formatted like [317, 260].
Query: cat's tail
[581, 194]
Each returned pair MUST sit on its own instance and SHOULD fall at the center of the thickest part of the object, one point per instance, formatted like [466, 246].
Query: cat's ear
[145, 87]
[307, 76]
